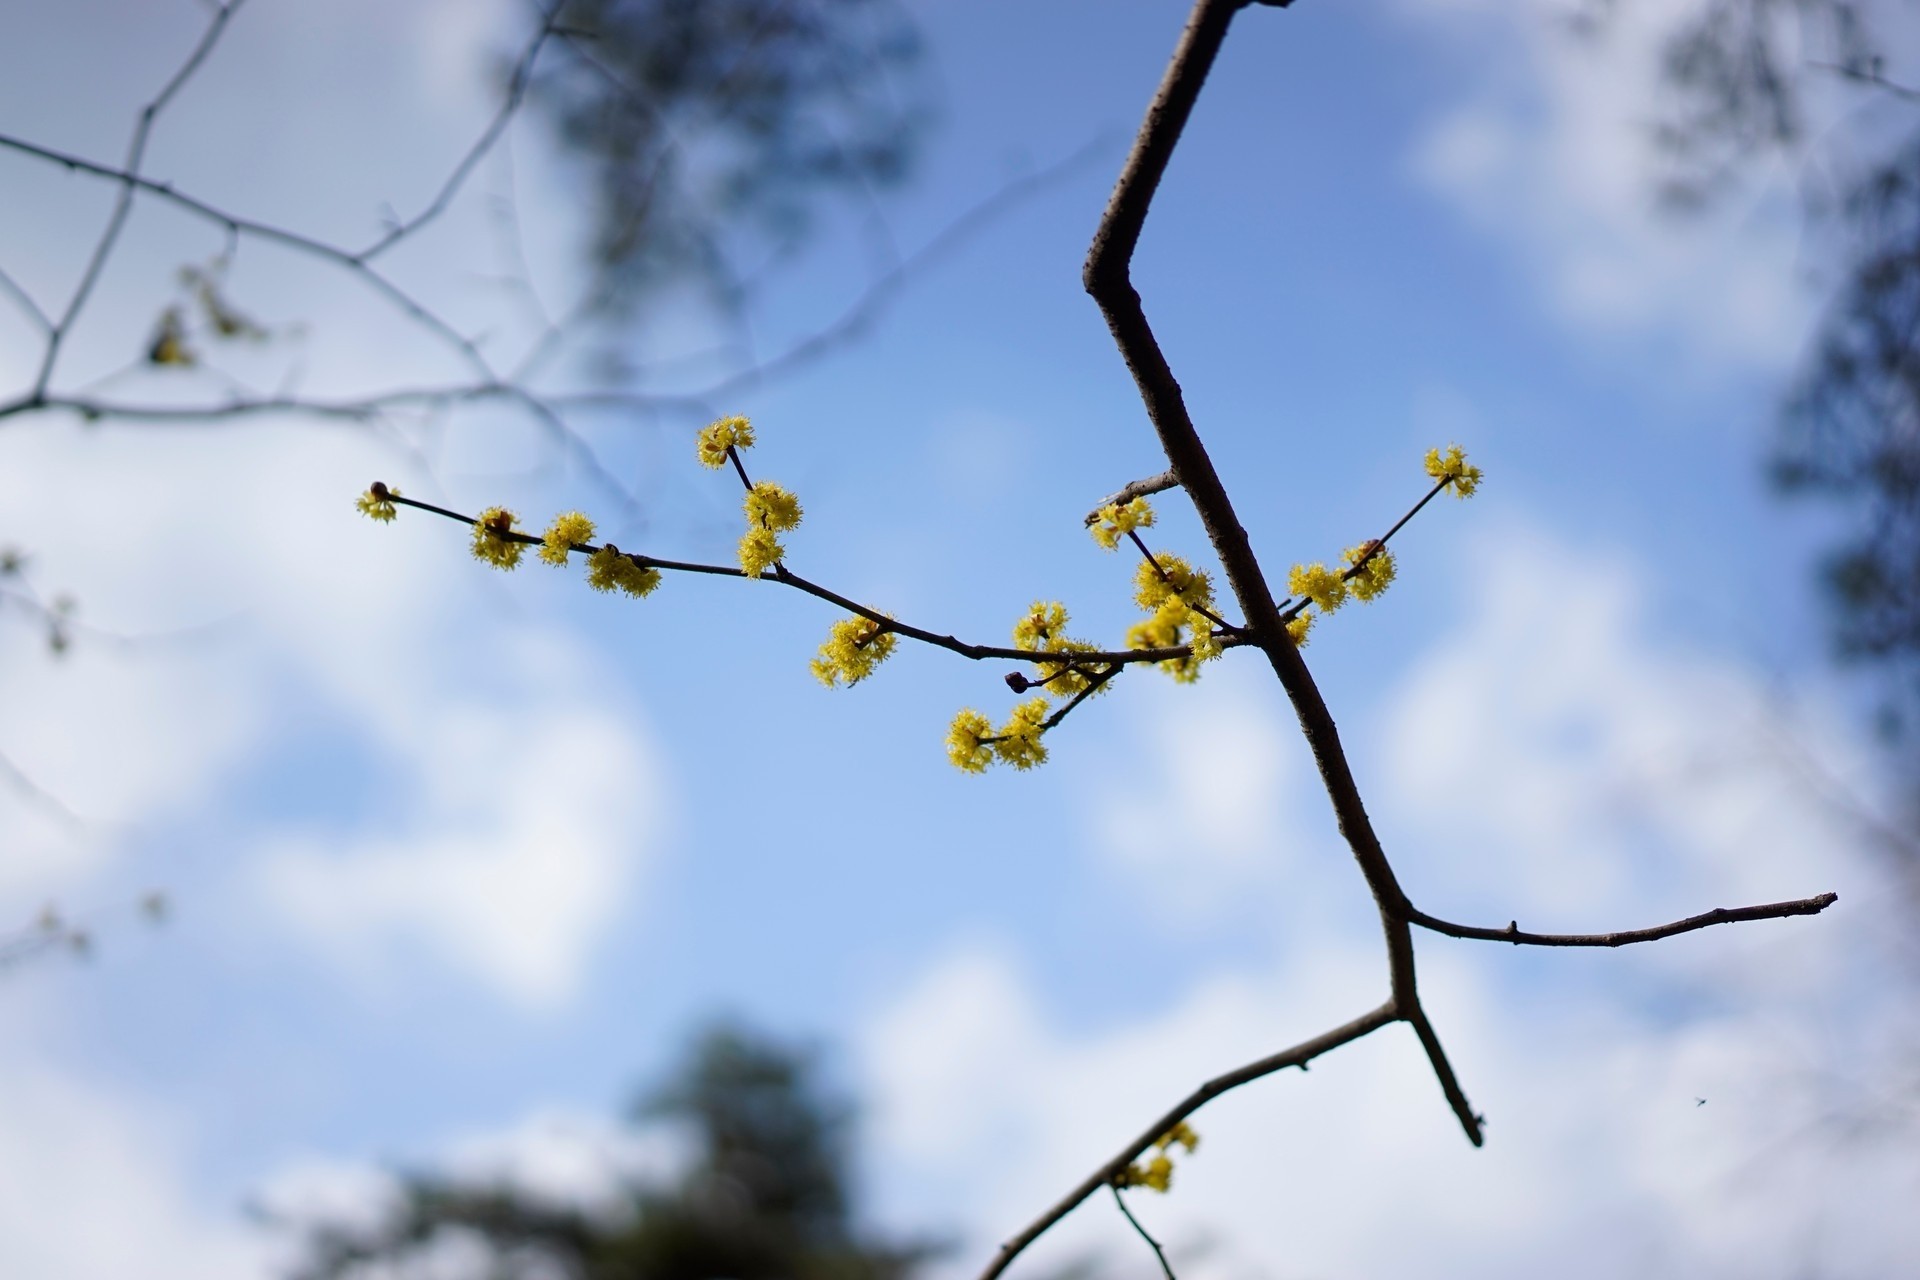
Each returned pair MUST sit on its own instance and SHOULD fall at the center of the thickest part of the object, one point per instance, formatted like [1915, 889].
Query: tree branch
[1626, 937]
[1298, 1056]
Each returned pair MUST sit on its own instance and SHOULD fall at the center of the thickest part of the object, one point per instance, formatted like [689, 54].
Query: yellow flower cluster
[853, 649]
[1118, 519]
[1452, 465]
[966, 741]
[563, 535]
[760, 551]
[771, 510]
[493, 539]
[609, 569]
[377, 502]
[1019, 743]
[972, 743]
[1041, 629]
[1376, 570]
[771, 507]
[1172, 594]
[1157, 1173]
[1319, 584]
[717, 437]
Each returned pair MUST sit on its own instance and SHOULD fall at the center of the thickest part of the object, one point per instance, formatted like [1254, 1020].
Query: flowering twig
[1107, 279]
[1166, 1268]
[786, 577]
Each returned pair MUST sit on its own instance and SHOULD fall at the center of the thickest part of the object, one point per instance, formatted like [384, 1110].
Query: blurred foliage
[765, 1196]
[714, 128]
[1742, 73]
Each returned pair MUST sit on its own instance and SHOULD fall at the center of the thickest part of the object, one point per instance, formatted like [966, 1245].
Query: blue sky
[460, 858]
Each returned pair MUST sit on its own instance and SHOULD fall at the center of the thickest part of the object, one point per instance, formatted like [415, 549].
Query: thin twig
[1128, 492]
[1626, 937]
[786, 577]
[1158, 1252]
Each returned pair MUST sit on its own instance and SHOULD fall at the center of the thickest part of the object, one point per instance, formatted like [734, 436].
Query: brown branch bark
[1626, 937]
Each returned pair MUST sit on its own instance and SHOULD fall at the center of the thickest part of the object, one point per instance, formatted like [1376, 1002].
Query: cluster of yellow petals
[1119, 519]
[1452, 465]
[1018, 742]
[853, 649]
[1042, 629]
[1375, 570]
[1157, 1173]
[567, 532]
[966, 741]
[721, 435]
[377, 502]
[1173, 592]
[1319, 584]
[771, 507]
[610, 569]
[760, 551]
[493, 539]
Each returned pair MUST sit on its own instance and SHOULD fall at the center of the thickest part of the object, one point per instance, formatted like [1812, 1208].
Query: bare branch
[1298, 1056]
[1166, 1268]
[1626, 937]
[129, 179]
[516, 93]
[1128, 492]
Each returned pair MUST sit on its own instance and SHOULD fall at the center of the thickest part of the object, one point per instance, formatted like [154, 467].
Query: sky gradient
[458, 859]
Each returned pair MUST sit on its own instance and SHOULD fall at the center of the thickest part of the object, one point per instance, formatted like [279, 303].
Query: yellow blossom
[759, 551]
[1375, 576]
[170, 343]
[1452, 465]
[1298, 628]
[1155, 1175]
[853, 649]
[493, 541]
[771, 507]
[1118, 519]
[1319, 584]
[1206, 641]
[563, 535]
[609, 570]
[1164, 631]
[1019, 743]
[1065, 679]
[1182, 1134]
[377, 502]
[721, 435]
[1151, 590]
[964, 747]
[1043, 620]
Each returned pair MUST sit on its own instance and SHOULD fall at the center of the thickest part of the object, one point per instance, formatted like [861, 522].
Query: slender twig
[1158, 1252]
[1128, 492]
[129, 180]
[1626, 937]
[788, 578]
[1297, 1056]
[517, 83]
[19, 294]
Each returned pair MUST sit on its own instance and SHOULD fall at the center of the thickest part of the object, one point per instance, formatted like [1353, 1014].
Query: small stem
[1158, 1252]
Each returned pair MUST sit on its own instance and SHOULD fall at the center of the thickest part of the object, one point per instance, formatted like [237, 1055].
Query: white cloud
[1524, 774]
[524, 830]
[1196, 799]
[93, 1184]
[1550, 150]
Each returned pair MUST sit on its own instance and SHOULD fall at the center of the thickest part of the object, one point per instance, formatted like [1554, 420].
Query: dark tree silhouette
[767, 1195]
[712, 127]
[1741, 75]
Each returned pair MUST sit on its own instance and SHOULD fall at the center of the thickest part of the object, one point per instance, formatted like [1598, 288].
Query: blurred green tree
[766, 1195]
